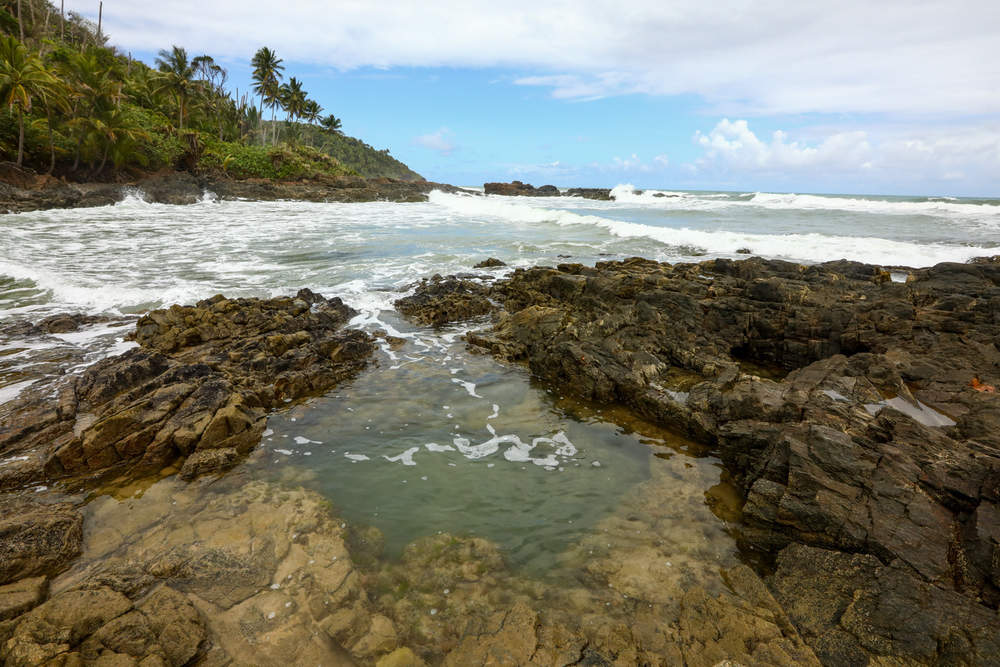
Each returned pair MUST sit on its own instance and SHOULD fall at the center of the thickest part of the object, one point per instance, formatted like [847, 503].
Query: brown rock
[199, 386]
[37, 539]
[22, 596]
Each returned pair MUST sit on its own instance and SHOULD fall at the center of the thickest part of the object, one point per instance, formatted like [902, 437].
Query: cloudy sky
[855, 96]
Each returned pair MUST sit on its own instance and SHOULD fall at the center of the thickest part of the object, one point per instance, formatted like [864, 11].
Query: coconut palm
[267, 69]
[23, 80]
[177, 76]
[293, 98]
[331, 124]
[311, 111]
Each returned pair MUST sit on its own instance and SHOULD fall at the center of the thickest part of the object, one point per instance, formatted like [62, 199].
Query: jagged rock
[854, 413]
[197, 388]
[439, 301]
[854, 610]
[37, 539]
[489, 263]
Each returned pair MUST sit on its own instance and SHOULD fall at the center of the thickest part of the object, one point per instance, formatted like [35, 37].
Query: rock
[242, 572]
[590, 193]
[859, 611]
[198, 388]
[22, 596]
[848, 409]
[401, 657]
[171, 187]
[489, 263]
[439, 301]
[744, 251]
[37, 539]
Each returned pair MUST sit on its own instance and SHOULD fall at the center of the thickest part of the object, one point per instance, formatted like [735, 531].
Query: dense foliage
[72, 105]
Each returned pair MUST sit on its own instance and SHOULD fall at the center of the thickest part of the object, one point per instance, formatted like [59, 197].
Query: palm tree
[23, 79]
[331, 124]
[267, 69]
[311, 111]
[293, 98]
[177, 76]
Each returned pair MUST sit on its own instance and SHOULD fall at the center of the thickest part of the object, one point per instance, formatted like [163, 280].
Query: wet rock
[849, 410]
[744, 251]
[171, 187]
[599, 194]
[241, 572]
[22, 596]
[37, 539]
[439, 301]
[197, 389]
[489, 263]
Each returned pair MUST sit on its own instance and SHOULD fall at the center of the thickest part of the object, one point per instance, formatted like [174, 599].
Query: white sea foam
[812, 247]
[406, 458]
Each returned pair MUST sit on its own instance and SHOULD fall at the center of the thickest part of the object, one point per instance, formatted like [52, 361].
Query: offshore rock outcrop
[856, 414]
[519, 189]
[197, 390]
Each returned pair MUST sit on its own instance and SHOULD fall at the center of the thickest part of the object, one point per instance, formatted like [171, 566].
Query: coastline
[856, 416]
[182, 187]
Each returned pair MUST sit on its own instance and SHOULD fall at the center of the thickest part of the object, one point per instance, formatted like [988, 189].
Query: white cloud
[437, 141]
[773, 56]
[914, 155]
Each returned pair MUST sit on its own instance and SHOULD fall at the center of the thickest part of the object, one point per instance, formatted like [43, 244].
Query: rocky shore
[856, 416]
[176, 187]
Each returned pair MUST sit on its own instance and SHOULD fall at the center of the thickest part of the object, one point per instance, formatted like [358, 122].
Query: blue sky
[903, 97]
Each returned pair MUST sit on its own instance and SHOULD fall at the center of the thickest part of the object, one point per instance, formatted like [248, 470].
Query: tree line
[73, 105]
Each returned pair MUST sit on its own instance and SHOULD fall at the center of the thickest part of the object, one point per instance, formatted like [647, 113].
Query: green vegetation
[72, 105]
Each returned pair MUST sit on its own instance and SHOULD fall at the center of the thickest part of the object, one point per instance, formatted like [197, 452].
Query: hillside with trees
[72, 105]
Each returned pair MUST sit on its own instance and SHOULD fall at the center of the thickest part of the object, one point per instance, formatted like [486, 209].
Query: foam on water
[813, 247]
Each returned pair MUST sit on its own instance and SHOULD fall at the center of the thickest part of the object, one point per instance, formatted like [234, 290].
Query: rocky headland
[182, 187]
[856, 416]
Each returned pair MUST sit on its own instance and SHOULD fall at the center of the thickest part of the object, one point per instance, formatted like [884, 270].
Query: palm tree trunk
[180, 111]
[52, 143]
[104, 159]
[20, 134]
[260, 121]
[20, 22]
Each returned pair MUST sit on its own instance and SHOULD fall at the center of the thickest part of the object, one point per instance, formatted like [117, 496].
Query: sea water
[433, 438]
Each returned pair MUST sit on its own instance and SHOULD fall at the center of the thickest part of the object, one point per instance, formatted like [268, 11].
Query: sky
[889, 97]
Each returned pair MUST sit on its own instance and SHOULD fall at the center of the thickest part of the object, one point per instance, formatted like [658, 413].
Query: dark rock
[37, 539]
[439, 301]
[198, 388]
[852, 609]
[489, 263]
[744, 251]
[785, 371]
[599, 194]
[519, 189]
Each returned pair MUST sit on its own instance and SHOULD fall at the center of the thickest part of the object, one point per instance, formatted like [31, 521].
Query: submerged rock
[197, 389]
[777, 366]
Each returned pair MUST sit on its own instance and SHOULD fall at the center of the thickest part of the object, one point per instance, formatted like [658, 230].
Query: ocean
[432, 437]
